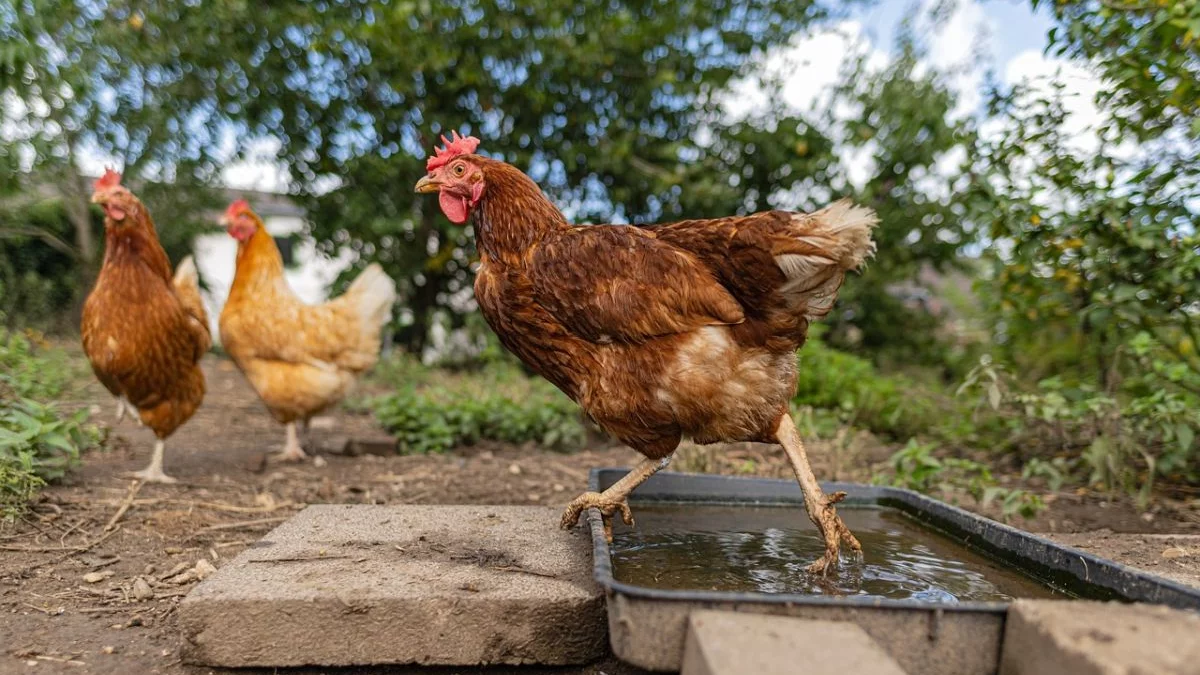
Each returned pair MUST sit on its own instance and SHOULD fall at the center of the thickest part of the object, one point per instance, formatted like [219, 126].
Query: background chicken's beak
[427, 185]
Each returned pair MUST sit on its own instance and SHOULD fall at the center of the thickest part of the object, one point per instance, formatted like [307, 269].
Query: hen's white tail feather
[186, 273]
[374, 294]
[839, 239]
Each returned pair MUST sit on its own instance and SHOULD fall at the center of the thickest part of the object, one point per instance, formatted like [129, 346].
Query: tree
[87, 78]
[596, 100]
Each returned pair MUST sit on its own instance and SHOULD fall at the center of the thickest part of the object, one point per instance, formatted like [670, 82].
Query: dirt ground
[90, 580]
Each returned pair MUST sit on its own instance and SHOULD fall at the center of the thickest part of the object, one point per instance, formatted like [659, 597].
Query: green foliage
[892, 406]
[438, 410]
[917, 467]
[29, 368]
[1149, 50]
[903, 119]
[1089, 248]
[37, 443]
[1124, 442]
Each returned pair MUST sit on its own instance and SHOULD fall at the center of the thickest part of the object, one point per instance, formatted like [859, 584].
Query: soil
[90, 579]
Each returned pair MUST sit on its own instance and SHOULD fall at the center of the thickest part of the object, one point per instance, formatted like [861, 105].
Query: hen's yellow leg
[821, 507]
[154, 472]
[614, 498]
[292, 452]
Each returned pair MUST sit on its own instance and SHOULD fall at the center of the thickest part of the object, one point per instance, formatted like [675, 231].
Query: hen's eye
[459, 170]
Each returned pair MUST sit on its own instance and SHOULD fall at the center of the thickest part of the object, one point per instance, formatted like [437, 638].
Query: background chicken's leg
[613, 499]
[820, 507]
[292, 452]
[154, 472]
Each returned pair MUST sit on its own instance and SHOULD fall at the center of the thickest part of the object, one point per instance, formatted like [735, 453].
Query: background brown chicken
[300, 358]
[686, 329]
[144, 331]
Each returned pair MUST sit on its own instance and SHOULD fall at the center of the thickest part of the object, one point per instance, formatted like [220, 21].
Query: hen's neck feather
[258, 263]
[513, 214]
[135, 241]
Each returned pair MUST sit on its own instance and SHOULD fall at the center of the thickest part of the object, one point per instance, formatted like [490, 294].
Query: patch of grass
[38, 444]
[435, 410]
[917, 466]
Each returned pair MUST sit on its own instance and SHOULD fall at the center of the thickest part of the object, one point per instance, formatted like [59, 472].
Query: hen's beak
[427, 185]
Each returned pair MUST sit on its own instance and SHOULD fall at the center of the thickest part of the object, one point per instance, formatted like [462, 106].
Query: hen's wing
[783, 268]
[613, 283]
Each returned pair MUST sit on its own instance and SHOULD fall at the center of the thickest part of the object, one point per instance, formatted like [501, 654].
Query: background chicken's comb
[110, 179]
[459, 145]
[237, 207]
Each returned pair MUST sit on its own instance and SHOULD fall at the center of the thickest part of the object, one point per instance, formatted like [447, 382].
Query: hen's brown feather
[672, 330]
[143, 333]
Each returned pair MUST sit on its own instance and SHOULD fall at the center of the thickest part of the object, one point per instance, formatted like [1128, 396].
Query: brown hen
[686, 329]
[144, 330]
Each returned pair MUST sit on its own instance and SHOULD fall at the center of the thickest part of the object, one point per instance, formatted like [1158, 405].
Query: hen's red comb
[459, 145]
[110, 179]
[237, 207]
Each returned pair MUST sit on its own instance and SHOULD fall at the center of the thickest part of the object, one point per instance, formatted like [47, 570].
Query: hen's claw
[152, 475]
[607, 507]
[824, 515]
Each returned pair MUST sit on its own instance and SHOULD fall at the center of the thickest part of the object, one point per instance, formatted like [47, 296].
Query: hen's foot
[835, 533]
[292, 454]
[606, 505]
[152, 475]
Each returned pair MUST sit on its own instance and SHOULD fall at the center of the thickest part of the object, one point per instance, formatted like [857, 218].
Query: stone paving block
[730, 643]
[1072, 637]
[437, 585]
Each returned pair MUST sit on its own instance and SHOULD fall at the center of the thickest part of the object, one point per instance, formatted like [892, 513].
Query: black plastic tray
[647, 625]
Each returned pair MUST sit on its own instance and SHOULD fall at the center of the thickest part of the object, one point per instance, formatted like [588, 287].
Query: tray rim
[868, 494]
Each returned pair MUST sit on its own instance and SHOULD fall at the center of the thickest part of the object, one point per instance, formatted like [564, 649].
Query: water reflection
[765, 549]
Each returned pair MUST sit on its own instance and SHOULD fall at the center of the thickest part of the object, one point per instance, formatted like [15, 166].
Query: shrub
[38, 444]
[438, 410]
[892, 406]
[1124, 441]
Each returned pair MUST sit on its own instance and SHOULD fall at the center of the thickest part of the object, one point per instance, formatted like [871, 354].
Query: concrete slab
[437, 585]
[1053, 637]
[730, 643]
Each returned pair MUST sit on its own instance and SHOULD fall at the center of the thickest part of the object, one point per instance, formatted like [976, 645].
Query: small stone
[97, 577]
[322, 423]
[149, 569]
[108, 649]
[1175, 552]
[142, 590]
[173, 550]
[203, 569]
[514, 469]
[534, 497]
[558, 487]
[320, 462]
